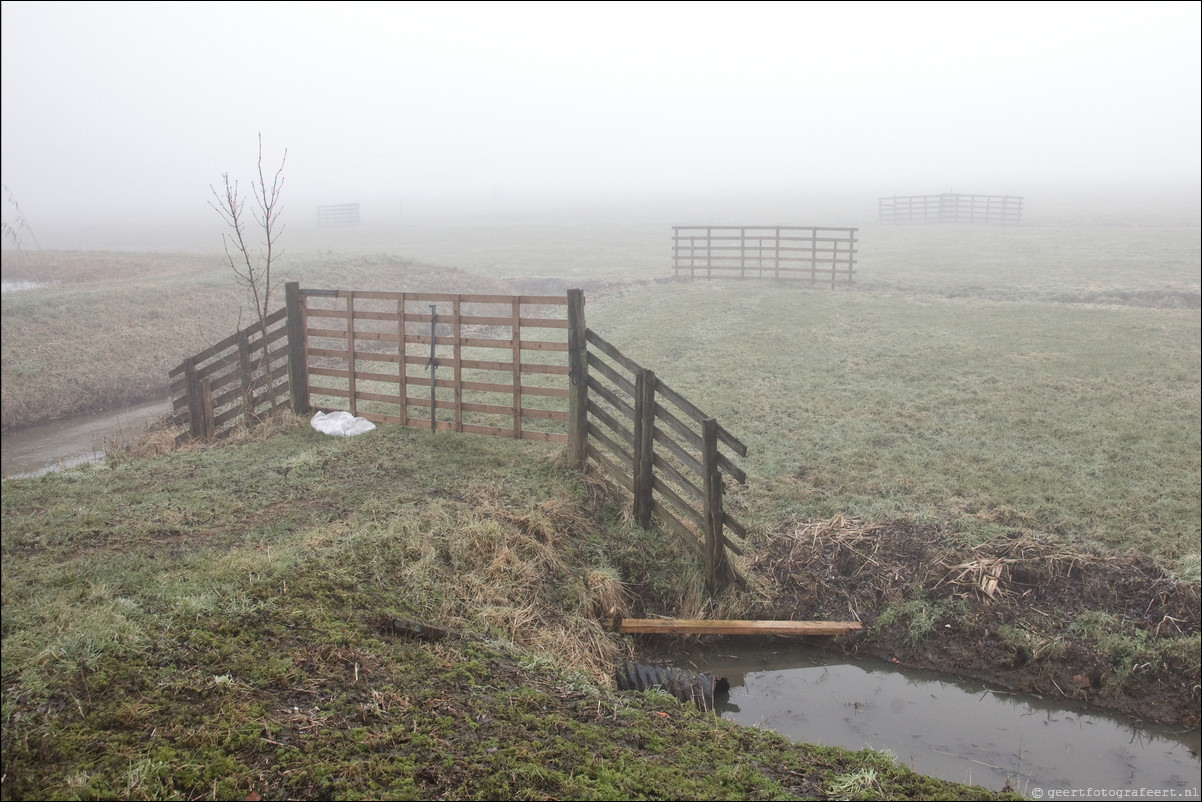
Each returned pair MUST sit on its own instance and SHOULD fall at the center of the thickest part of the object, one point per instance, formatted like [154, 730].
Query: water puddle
[946, 728]
[34, 450]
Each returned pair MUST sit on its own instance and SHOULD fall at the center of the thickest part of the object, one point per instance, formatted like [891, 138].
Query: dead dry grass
[845, 558]
[168, 435]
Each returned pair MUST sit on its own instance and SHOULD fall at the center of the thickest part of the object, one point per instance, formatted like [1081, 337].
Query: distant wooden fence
[780, 252]
[239, 378]
[663, 449]
[343, 214]
[509, 366]
[951, 207]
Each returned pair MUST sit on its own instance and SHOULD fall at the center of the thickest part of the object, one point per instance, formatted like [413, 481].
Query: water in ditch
[947, 728]
[34, 450]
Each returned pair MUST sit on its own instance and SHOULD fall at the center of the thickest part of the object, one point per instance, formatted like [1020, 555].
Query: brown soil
[1007, 612]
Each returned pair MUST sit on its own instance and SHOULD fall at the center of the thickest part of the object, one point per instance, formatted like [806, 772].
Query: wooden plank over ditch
[689, 626]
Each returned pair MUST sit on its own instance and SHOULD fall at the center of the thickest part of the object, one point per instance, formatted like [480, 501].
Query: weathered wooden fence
[781, 252]
[237, 379]
[508, 366]
[664, 450]
[342, 214]
[951, 207]
[488, 364]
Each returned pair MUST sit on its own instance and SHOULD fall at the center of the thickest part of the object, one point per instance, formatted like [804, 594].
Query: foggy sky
[116, 111]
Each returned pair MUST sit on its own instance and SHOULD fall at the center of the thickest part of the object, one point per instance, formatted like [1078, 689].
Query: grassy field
[1044, 377]
[1074, 420]
[239, 603]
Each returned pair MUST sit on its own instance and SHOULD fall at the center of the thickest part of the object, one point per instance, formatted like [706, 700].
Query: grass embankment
[233, 620]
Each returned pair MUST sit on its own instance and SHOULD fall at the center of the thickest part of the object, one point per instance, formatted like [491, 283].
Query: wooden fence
[664, 450]
[951, 207]
[780, 252]
[343, 214]
[510, 366]
[239, 378]
[488, 364]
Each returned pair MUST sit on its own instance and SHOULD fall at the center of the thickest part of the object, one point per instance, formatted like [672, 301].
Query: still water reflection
[954, 730]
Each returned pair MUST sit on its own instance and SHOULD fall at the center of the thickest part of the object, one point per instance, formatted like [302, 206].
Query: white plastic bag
[343, 423]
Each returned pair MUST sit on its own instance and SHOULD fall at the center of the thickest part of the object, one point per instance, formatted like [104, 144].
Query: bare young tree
[250, 246]
[252, 265]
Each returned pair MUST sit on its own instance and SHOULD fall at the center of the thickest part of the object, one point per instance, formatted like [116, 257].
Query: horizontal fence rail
[951, 207]
[664, 450]
[239, 378]
[487, 364]
[798, 253]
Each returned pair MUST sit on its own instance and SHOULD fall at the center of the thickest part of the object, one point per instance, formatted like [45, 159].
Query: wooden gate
[489, 364]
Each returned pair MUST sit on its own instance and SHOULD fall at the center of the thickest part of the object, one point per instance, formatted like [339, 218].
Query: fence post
[404, 366]
[247, 371]
[298, 373]
[578, 385]
[433, 364]
[644, 432]
[851, 256]
[717, 570]
[196, 415]
[351, 378]
[209, 425]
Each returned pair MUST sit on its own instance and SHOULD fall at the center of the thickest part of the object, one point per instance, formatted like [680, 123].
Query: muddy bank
[1027, 615]
[1032, 616]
